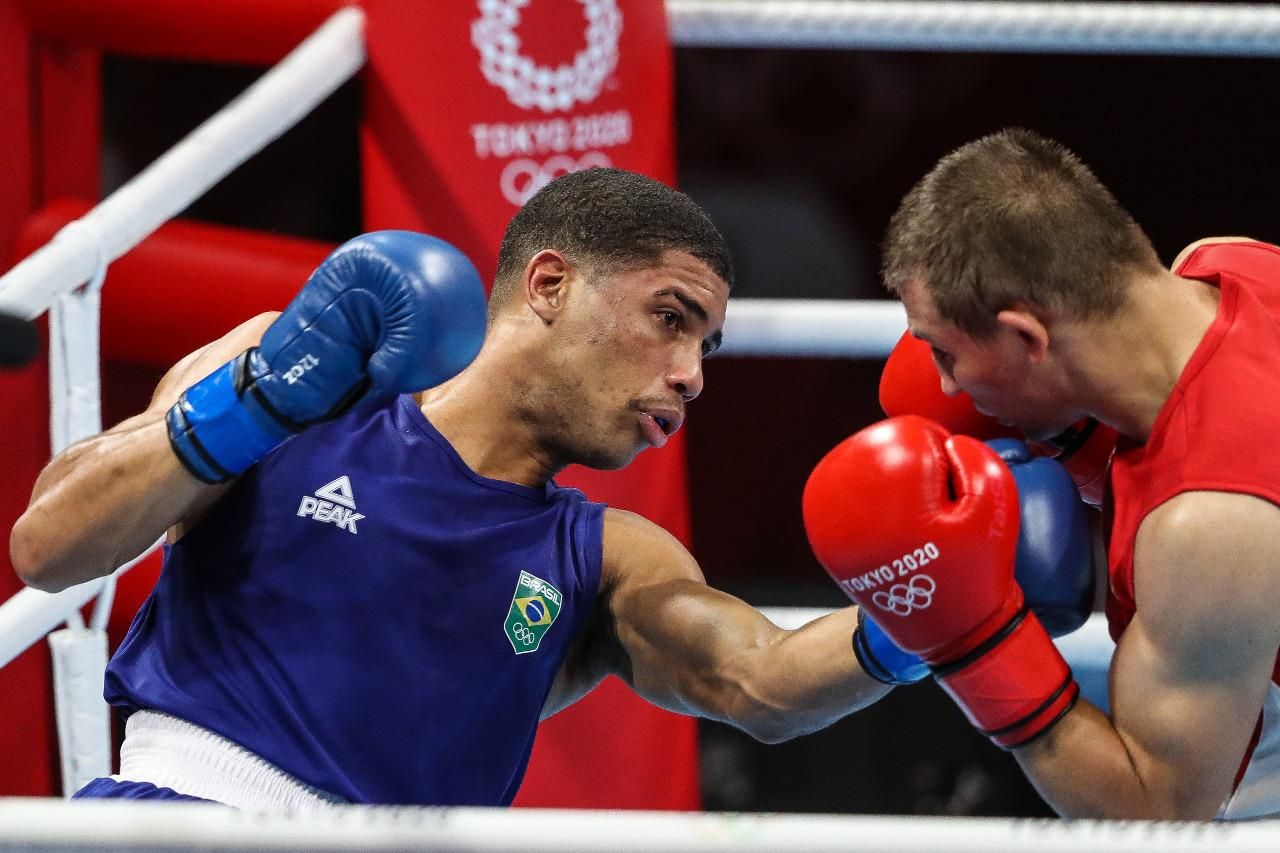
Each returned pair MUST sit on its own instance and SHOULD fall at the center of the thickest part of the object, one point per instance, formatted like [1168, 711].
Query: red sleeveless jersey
[1216, 432]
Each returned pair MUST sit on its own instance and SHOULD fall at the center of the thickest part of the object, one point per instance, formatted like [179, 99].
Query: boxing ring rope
[823, 328]
[754, 328]
[272, 105]
[275, 103]
[1144, 28]
[81, 252]
[131, 825]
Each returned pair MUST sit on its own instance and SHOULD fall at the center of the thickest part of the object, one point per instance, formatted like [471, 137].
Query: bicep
[689, 647]
[1192, 670]
[679, 643]
[673, 642]
[1186, 715]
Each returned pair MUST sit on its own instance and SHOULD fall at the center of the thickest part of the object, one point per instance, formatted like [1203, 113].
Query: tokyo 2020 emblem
[528, 84]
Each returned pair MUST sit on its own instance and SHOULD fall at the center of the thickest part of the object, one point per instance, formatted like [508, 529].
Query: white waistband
[171, 753]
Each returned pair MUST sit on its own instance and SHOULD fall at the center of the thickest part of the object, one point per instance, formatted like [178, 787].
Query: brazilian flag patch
[535, 605]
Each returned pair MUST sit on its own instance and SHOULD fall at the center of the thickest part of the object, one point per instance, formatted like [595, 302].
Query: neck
[1131, 362]
[476, 412]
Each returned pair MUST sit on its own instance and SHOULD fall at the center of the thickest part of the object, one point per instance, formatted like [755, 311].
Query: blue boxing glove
[1055, 554]
[386, 312]
[1054, 562]
[881, 659]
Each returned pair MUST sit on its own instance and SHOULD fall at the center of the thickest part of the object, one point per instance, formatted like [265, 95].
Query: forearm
[809, 678]
[100, 503]
[1084, 768]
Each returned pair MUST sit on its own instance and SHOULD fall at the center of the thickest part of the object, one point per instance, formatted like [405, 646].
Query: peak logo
[333, 503]
[529, 85]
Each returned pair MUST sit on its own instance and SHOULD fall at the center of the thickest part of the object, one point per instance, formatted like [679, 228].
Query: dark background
[801, 157]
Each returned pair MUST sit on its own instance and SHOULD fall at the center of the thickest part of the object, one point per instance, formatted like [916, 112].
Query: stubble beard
[568, 428]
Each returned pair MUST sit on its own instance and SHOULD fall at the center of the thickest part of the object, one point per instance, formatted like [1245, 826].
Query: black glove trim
[247, 383]
[176, 422]
[943, 670]
[1066, 443]
[870, 665]
[1069, 684]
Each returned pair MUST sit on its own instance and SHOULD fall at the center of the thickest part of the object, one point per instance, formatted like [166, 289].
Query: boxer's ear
[546, 280]
[1031, 335]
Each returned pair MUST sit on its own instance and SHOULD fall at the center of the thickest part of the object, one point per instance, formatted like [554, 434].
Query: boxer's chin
[1040, 434]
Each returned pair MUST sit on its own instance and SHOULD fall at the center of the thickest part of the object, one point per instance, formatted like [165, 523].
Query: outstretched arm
[103, 500]
[1190, 673]
[692, 649]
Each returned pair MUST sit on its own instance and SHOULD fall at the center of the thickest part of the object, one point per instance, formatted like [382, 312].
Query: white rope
[83, 717]
[50, 279]
[1142, 28]
[848, 328]
[276, 102]
[119, 825]
[75, 389]
[29, 614]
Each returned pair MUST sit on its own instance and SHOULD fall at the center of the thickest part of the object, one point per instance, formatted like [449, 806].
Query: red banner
[471, 107]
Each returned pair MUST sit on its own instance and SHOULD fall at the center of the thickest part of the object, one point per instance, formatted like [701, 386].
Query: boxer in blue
[373, 588]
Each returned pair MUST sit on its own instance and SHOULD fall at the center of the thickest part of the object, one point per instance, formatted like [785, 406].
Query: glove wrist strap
[1016, 686]
[868, 661]
[213, 433]
[881, 659]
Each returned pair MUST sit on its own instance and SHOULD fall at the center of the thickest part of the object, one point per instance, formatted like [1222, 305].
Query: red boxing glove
[909, 385]
[920, 528]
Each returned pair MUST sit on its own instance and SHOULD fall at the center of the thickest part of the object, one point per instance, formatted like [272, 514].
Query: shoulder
[1194, 520]
[1206, 559]
[636, 551]
[1199, 244]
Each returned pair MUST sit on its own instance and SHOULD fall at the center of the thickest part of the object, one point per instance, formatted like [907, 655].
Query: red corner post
[50, 53]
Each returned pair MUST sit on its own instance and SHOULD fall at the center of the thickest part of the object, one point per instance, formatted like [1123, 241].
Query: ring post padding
[270, 106]
[254, 32]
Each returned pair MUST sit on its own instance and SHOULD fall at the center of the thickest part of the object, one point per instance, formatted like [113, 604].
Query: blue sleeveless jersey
[368, 614]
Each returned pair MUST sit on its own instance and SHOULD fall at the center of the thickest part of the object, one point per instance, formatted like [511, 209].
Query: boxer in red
[1042, 300]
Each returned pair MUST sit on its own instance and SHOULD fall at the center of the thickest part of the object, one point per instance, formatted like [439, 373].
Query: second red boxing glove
[920, 528]
[909, 385]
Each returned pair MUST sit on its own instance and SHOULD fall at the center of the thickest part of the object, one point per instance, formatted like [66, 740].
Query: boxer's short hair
[607, 220]
[1014, 218]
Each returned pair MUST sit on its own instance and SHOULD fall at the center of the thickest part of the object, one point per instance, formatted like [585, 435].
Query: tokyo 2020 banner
[471, 107]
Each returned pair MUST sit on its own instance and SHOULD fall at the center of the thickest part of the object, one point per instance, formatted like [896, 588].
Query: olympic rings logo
[902, 598]
[522, 178]
[522, 633]
[528, 84]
